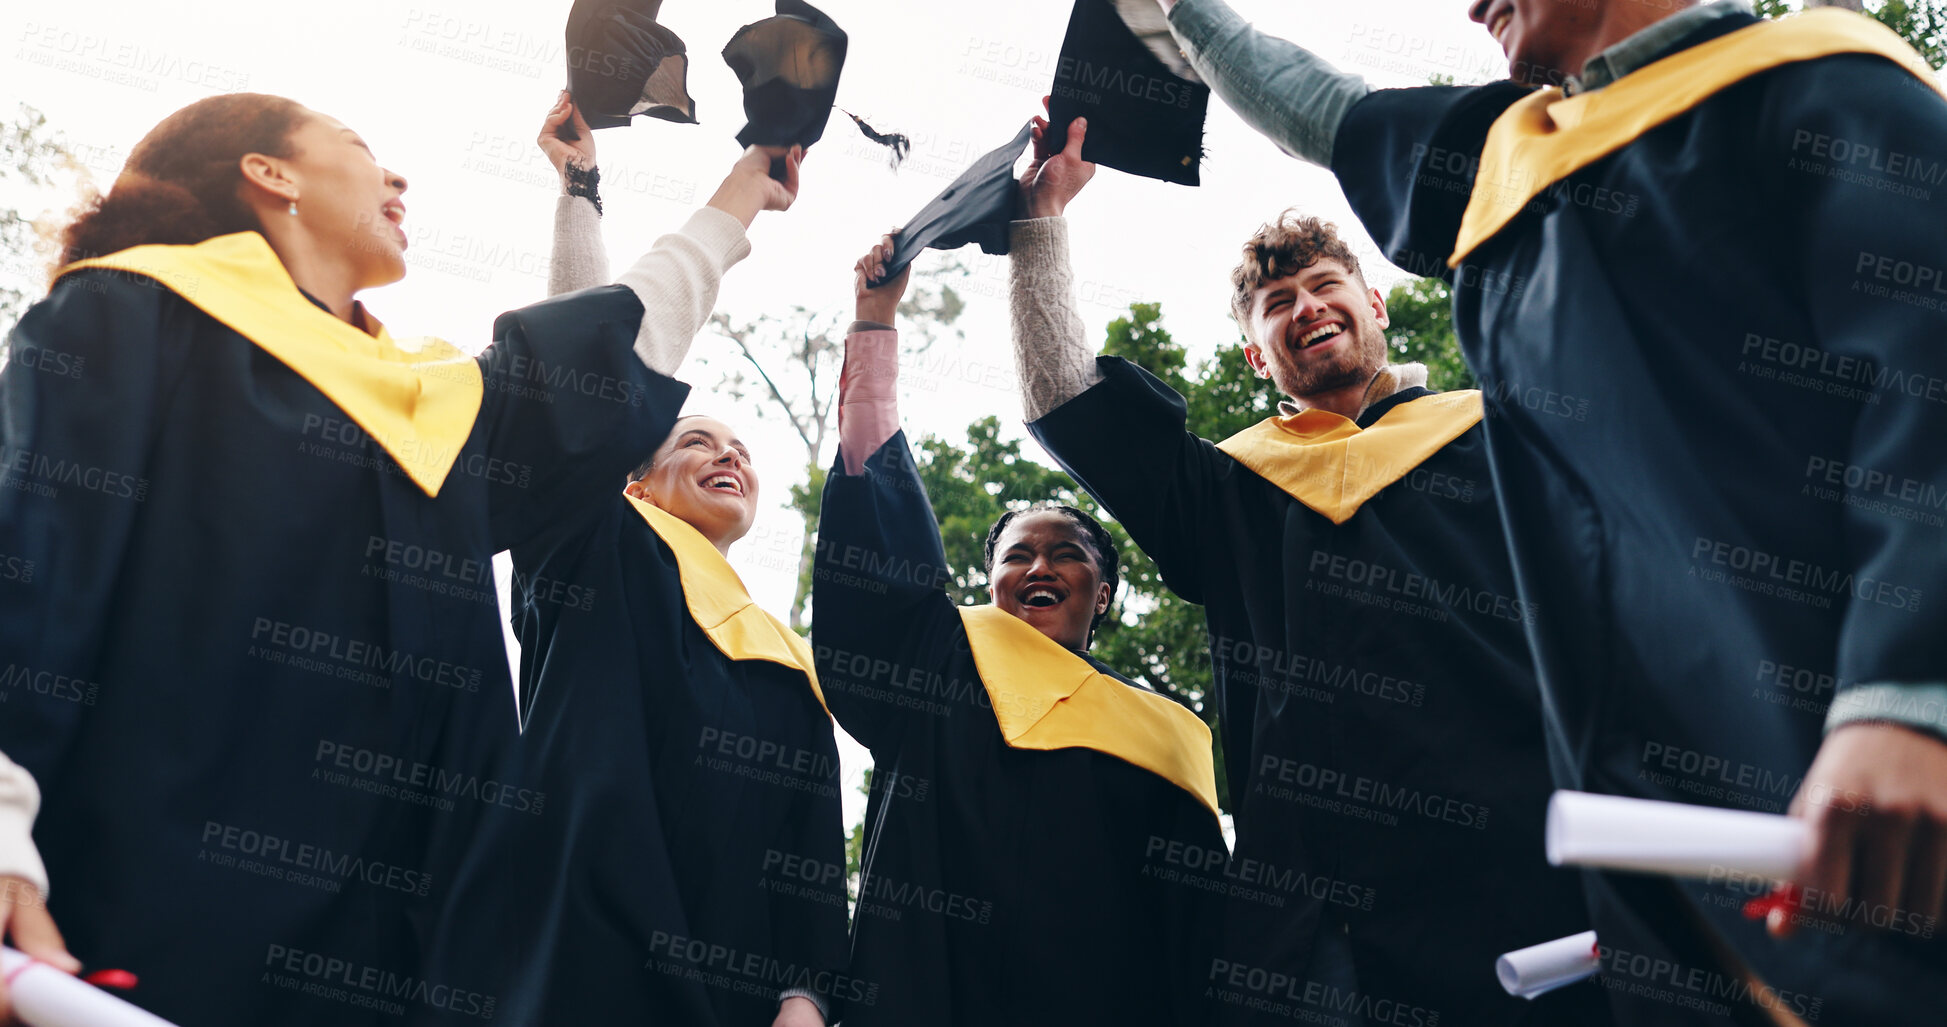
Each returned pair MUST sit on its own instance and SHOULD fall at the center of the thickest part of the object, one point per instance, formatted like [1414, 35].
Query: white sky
[451, 94]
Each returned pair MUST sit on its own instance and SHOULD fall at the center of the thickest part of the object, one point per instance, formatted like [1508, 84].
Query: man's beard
[1355, 366]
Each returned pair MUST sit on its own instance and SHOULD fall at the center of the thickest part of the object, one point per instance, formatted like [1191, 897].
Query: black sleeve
[882, 622]
[1126, 440]
[810, 930]
[569, 411]
[79, 412]
[1871, 266]
[1406, 159]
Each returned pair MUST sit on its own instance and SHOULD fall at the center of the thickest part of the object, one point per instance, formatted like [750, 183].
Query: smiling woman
[703, 475]
[1041, 558]
[676, 728]
[260, 530]
[250, 162]
[1026, 798]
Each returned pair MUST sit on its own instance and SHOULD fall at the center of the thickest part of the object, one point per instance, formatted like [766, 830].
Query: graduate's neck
[1347, 401]
[1616, 22]
[333, 283]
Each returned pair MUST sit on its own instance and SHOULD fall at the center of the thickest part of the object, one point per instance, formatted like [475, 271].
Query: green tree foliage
[1421, 310]
[34, 163]
[1922, 23]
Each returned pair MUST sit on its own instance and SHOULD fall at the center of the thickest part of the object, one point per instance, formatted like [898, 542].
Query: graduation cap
[976, 208]
[1145, 105]
[789, 66]
[621, 63]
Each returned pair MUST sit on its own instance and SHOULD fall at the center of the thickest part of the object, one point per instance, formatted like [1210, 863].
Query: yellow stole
[417, 399]
[1333, 466]
[1045, 697]
[1547, 136]
[720, 604]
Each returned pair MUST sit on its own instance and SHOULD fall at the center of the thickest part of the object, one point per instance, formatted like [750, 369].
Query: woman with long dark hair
[260, 636]
[1042, 831]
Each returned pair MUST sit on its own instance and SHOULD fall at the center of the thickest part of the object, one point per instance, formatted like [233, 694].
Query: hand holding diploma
[1611, 832]
[25, 922]
[1874, 807]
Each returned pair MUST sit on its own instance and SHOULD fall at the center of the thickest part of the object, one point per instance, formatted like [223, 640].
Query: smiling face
[1317, 330]
[1045, 572]
[345, 198]
[1546, 40]
[703, 475]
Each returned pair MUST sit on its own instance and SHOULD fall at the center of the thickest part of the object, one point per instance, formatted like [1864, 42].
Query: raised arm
[678, 278]
[1115, 428]
[1289, 94]
[1052, 356]
[882, 619]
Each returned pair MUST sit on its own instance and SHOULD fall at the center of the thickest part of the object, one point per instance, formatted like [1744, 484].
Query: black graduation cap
[1145, 105]
[621, 63]
[976, 208]
[789, 66]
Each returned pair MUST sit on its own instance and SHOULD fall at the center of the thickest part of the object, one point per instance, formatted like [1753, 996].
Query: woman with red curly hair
[257, 627]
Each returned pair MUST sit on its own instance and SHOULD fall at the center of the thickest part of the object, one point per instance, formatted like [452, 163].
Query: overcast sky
[451, 94]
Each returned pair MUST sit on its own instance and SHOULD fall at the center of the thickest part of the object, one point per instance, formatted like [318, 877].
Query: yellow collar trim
[1330, 464]
[1046, 697]
[1546, 136]
[417, 399]
[720, 604]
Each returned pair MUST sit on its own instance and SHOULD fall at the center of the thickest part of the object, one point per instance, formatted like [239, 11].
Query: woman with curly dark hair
[1039, 825]
[259, 637]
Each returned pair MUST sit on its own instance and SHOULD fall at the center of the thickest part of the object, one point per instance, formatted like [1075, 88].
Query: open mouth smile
[724, 483]
[1318, 335]
[1041, 597]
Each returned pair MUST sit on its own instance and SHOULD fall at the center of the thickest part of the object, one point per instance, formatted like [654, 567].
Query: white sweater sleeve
[677, 280]
[1051, 350]
[20, 799]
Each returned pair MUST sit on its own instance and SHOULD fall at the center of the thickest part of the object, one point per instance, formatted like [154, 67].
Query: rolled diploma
[46, 997]
[1672, 838]
[1540, 969]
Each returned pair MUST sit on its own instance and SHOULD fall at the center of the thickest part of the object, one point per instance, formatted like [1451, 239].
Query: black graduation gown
[1678, 342]
[1034, 882]
[250, 637]
[1383, 736]
[689, 861]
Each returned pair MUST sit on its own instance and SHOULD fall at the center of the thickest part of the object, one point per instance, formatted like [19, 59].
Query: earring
[293, 210]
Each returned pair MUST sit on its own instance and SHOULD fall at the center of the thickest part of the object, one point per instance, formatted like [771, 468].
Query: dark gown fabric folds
[1000, 884]
[252, 649]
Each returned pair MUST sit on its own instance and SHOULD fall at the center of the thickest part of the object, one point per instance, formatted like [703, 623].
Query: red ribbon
[120, 980]
[1785, 899]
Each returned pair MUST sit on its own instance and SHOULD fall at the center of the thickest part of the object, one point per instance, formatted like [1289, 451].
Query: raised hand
[880, 302]
[1056, 176]
[559, 150]
[749, 190]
